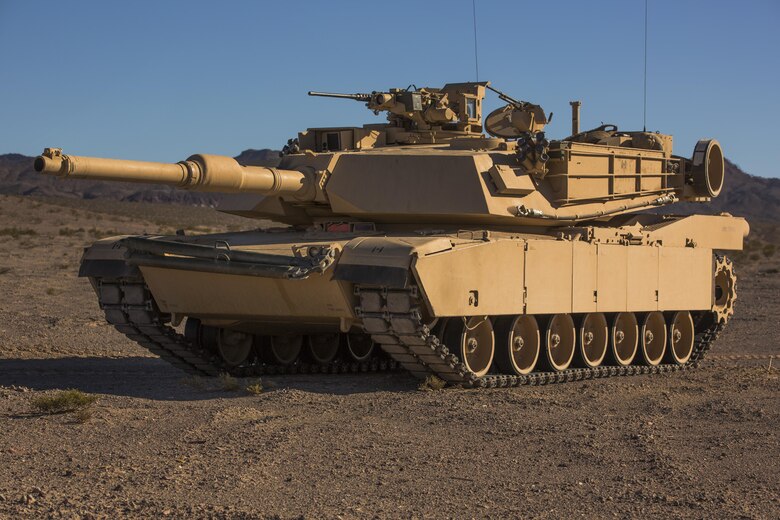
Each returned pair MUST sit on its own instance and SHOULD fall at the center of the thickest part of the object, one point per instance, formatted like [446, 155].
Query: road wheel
[284, 350]
[560, 341]
[360, 347]
[653, 338]
[592, 339]
[473, 341]
[624, 338]
[681, 338]
[323, 348]
[518, 344]
[234, 346]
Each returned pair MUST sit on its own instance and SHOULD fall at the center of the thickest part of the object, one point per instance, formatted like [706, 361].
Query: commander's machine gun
[432, 115]
[414, 115]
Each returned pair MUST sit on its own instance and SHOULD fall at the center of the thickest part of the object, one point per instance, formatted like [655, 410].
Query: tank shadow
[151, 378]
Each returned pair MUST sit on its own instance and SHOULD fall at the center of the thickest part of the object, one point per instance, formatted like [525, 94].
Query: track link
[393, 318]
[130, 308]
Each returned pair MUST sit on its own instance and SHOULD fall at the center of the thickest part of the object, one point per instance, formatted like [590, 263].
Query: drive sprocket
[725, 289]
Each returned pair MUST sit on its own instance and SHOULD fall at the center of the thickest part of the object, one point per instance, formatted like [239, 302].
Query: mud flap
[384, 261]
[106, 259]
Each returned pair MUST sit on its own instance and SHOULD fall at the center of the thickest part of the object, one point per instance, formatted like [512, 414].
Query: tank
[479, 252]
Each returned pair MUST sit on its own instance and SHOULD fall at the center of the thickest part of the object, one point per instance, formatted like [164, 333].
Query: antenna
[644, 115]
[476, 56]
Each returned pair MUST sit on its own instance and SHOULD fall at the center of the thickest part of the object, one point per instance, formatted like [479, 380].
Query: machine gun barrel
[356, 97]
[200, 172]
[506, 98]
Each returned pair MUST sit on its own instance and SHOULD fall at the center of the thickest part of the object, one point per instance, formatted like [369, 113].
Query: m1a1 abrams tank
[493, 259]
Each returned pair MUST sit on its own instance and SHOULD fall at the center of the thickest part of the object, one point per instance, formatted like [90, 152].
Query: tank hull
[649, 269]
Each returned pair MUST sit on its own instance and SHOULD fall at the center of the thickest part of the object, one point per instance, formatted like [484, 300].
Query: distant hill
[744, 195]
[17, 177]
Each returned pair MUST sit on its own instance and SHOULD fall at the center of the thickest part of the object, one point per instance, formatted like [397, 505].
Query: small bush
[4, 270]
[51, 291]
[15, 232]
[255, 388]
[83, 415]
[229, 383]
[63, 401]
[768, 250]
[69, 232]
[432, 383]
[195, 382]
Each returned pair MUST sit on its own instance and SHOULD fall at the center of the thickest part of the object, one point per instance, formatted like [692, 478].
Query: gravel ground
[699, 444]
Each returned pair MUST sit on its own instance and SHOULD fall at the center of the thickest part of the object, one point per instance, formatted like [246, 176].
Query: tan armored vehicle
[487, 259]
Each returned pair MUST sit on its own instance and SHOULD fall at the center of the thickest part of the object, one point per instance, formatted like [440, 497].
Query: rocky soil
[701, 444]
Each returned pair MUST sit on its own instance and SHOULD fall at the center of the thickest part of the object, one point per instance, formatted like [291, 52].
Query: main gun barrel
[200, 172]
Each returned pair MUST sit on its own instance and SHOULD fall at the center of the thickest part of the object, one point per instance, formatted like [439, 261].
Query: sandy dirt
[700, 444]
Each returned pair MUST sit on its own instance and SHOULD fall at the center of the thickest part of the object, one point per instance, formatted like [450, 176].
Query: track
[393, 318]
[130, 308]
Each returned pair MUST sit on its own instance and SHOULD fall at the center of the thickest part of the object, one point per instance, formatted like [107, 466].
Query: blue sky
[160, 80]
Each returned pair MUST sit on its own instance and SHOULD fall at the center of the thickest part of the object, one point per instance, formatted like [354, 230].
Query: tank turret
[430, 163]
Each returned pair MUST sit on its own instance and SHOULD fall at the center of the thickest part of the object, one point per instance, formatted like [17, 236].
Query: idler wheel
[519, 342]
[681, 338]
[653, 338]
[284, 350]
[624, 338]
[323, 348]
[592, 339]
[473, 341]
[360, 347]
[559, 342]
[234, 346]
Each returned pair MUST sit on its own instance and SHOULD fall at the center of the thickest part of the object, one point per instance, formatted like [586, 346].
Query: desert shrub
[255, 388]
[63, 401]
[229, 382]
[432, 383]
[83, 415]
[69, 232]
[16, 232]
[768, 250]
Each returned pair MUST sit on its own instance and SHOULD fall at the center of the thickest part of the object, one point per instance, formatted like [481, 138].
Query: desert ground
[699, 444]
